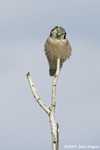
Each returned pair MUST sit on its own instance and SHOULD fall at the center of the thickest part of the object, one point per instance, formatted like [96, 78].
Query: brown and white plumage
[57, 46]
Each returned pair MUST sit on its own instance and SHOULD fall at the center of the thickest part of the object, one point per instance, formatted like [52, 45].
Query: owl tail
[52, 71]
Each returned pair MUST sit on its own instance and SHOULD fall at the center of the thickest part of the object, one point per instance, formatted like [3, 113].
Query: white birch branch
[33, 89]
[49, 111]
[53, 124]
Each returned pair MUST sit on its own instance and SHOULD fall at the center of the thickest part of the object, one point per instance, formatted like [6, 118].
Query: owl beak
[61, 34]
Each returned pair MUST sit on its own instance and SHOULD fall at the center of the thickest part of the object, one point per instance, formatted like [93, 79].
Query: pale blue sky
[24, 27]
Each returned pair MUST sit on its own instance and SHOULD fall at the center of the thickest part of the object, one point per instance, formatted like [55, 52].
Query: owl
[57, 46]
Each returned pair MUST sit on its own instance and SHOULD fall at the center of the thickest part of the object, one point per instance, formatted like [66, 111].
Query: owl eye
[62, 35]
[51, 33]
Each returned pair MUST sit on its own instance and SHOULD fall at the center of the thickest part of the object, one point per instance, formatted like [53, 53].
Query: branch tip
[27, 73]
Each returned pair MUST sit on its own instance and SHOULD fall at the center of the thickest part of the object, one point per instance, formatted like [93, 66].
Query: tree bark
[51, 110]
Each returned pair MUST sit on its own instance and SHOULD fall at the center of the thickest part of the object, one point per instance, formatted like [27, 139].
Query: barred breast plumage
[57, 46]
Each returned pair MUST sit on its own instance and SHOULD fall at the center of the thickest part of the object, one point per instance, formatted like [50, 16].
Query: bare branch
[49, 111]
[53, 124]
[33, 89]
[55, 83]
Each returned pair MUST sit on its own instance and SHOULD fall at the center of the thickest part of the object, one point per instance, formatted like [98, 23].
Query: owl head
[58, 33]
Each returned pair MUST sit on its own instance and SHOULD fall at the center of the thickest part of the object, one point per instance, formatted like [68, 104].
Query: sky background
[24, 28]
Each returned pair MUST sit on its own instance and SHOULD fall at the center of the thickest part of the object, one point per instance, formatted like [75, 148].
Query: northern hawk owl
[57, 46]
